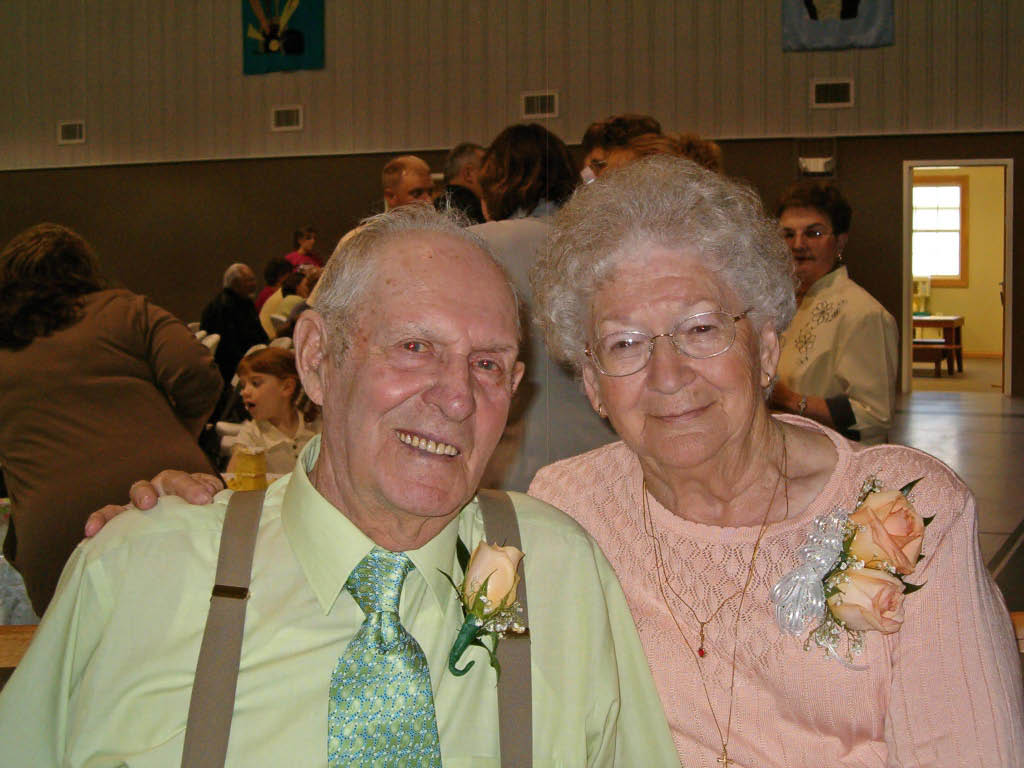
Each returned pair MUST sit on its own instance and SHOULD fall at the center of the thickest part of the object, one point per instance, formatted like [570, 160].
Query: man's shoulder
[541, 518]
[171, 518]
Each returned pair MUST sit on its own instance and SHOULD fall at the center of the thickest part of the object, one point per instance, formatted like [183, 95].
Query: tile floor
[981, 436]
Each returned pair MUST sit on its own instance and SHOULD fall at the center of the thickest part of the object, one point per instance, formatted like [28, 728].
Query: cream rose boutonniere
[852, 576]
[489, 604]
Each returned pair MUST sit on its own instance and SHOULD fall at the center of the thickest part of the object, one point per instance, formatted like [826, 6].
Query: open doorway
[957, 246]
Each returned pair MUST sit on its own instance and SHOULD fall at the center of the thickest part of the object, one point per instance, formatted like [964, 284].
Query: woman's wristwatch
[802, 406]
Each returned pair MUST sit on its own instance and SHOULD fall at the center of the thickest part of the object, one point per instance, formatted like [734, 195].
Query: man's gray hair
[341, 292]
[669, 202]
[234, 274]
[461, 154]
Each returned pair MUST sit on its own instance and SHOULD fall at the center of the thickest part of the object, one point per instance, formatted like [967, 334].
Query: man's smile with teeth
[425, 444]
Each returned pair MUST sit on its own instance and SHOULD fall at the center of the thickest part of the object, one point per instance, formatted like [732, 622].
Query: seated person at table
[411, 350]
[272, 394]
[839, 354]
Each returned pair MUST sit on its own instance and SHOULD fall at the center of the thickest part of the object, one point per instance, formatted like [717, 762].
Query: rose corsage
[851, 579]
[488, 599]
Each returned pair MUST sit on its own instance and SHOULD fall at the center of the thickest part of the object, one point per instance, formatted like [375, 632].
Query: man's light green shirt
[108, 678]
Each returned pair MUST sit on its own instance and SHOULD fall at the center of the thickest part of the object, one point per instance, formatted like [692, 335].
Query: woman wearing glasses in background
[667, 288]
[838, 363]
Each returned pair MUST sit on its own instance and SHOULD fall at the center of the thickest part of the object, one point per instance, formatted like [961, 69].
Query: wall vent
[71, 132]
[831, 93]
[537, 104]
[286, 118]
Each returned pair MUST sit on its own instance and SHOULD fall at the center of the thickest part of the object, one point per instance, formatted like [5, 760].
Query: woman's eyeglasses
[700, 336]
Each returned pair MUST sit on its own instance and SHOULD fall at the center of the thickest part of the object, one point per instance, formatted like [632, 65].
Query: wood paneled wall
[157, 81]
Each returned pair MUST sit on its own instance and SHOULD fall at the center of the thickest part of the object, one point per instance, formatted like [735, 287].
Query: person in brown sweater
[96, 386]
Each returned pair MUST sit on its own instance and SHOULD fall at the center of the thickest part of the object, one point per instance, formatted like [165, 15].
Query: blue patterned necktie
[381, 711]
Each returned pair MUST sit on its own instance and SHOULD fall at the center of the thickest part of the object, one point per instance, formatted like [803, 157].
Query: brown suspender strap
[515, 698]
[213, 692]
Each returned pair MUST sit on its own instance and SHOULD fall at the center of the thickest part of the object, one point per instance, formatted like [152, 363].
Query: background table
[948, 348]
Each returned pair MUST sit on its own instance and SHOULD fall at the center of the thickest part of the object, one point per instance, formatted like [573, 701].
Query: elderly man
[412, 352]
[462, 190]
[232, 314]
[406, 179]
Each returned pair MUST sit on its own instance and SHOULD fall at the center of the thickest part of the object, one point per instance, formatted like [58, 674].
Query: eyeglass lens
[703, 335]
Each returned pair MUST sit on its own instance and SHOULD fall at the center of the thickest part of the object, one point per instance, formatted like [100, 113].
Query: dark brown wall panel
[169, 230]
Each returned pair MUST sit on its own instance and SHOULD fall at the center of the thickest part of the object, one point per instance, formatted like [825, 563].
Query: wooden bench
[14, 641]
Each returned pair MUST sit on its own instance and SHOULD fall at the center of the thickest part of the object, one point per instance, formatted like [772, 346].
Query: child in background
[272, 393]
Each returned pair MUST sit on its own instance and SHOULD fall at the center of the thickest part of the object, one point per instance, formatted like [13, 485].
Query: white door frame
[908, 184]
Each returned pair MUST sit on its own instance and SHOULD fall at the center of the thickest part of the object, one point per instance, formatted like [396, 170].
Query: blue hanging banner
[818, 25]
[280, 35]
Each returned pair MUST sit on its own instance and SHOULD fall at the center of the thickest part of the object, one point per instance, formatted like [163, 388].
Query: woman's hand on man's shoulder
[195, 488]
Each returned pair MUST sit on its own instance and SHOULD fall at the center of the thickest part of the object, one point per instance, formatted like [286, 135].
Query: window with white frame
[939, 239]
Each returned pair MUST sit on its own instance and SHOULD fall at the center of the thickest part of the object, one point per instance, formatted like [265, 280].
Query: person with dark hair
[527, 176]
[527, 171]
[87, 375]
[304, 256]
[839, 357]
[462, 186]
[274, 273]
[605, 135]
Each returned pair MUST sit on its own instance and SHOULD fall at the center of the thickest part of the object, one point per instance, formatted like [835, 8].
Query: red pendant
[700, 652]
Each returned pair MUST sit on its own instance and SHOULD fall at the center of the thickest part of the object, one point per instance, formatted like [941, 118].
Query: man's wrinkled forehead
[403, 258]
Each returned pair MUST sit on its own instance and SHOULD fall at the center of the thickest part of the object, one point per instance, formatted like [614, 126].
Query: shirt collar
[328, 545]
[826, 281]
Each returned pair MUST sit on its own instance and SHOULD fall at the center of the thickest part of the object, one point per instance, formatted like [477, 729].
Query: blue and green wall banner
[819, 25]
[282, 35]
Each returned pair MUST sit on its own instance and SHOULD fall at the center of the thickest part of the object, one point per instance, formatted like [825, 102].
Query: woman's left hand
[195, 488]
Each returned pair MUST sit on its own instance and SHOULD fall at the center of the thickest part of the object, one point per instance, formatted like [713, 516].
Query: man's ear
[389, 198]
[311, 353]
[517, 374]
[770, 351]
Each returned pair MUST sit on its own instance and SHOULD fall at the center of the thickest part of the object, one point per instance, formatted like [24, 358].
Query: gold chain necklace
[663, 582]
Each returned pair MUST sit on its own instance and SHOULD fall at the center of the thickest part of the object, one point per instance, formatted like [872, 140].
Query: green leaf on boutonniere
[910, 589]
[927, 520]
[906, 489]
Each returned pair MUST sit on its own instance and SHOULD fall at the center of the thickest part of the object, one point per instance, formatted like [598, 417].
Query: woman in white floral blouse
[838, 363]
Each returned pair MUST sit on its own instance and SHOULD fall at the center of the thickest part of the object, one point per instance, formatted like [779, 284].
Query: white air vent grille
[286, 118]
[538, 104]
[832, 93]
[71, 132]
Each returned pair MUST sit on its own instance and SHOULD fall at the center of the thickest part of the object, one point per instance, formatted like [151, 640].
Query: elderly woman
[838, 363]
[667, 288]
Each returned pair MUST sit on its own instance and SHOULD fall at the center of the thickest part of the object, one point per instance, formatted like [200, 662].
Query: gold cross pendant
[724, 760]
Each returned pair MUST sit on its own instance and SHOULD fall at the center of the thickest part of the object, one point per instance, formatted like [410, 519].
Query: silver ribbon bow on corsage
[799, 596]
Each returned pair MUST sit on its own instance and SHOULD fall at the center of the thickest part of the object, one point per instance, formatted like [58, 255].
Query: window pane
[935, 253]
[948, 218]
[925, 196]
[948, 197]
[926, 218]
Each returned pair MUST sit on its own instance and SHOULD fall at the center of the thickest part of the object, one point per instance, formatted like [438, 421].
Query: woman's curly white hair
[662, 201]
